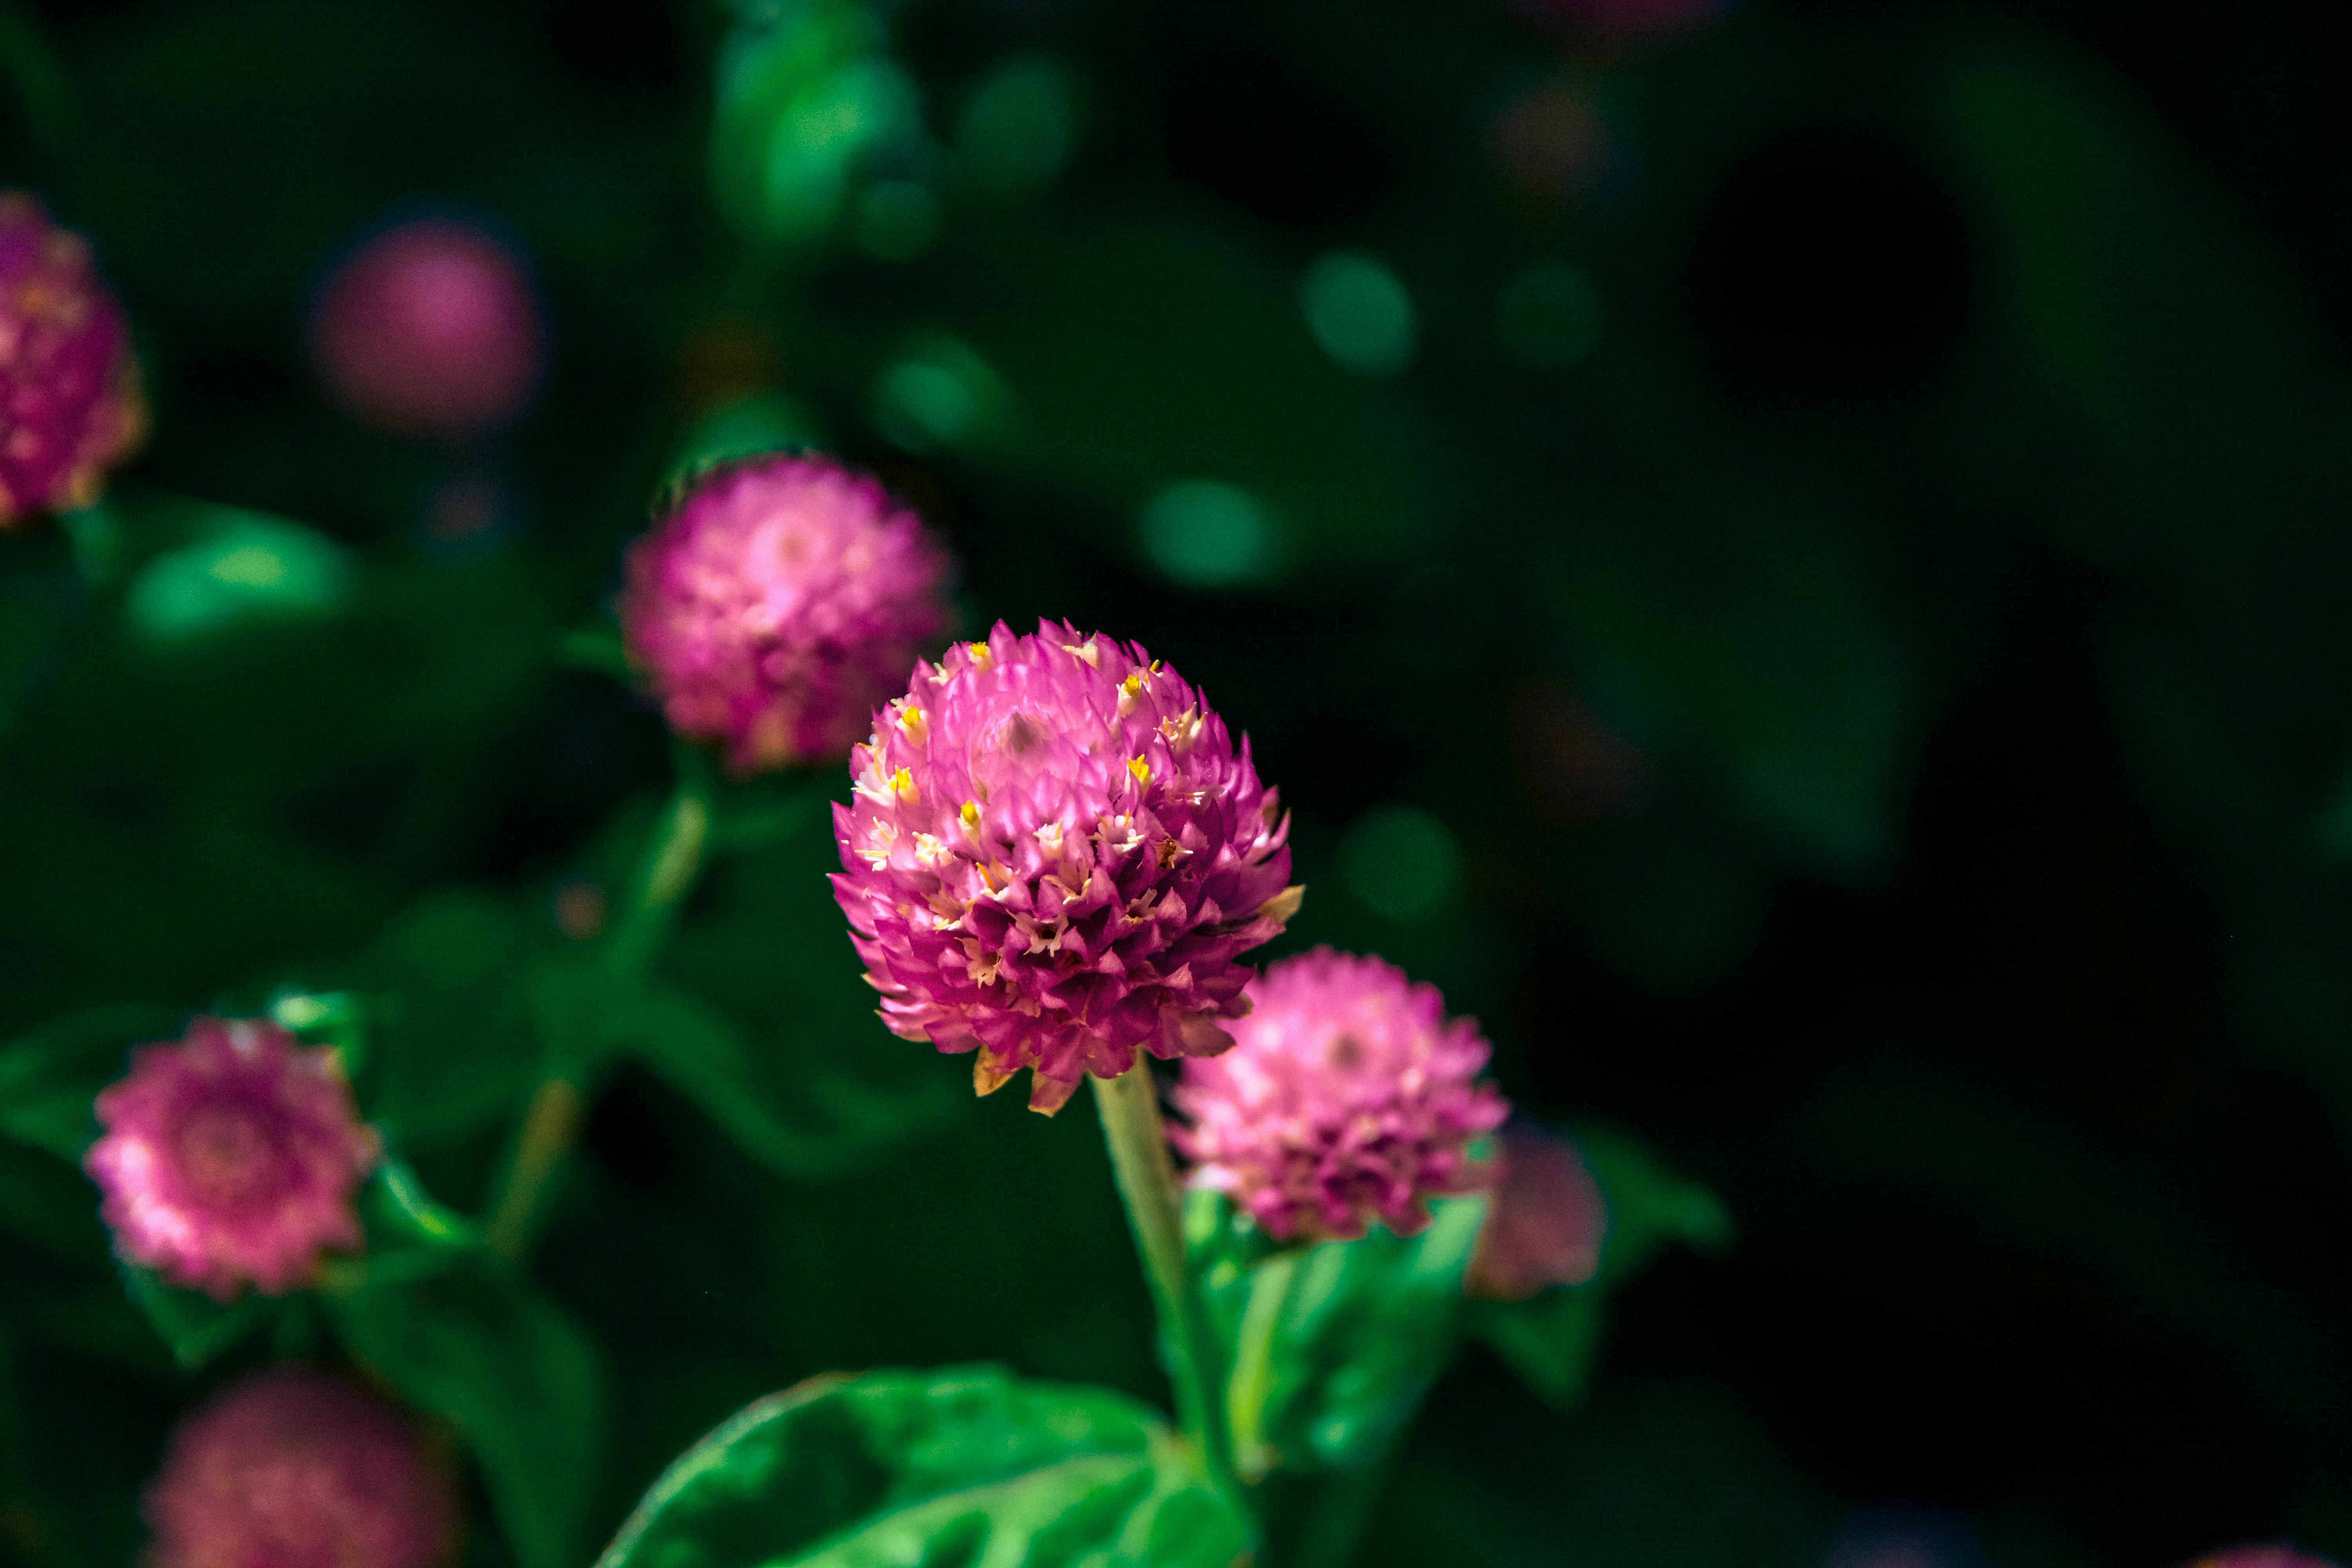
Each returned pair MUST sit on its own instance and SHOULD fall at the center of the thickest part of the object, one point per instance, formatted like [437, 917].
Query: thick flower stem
[1130, 1105]
[672, 862]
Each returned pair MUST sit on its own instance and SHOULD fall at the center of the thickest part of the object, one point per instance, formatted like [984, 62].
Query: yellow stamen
[972, 815]
[1140, 769]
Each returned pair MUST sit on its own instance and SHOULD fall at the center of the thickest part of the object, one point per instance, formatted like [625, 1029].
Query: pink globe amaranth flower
[431, 328]
[1546, 1220]
[295, 1468]
[1347, 1097]
[230, 1158]
[780, 603]
[2262, 1557]
[70, 406]
[1055, 855]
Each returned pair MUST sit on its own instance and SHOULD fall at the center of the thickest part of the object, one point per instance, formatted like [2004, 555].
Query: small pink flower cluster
[1053, 856]
[230, 1157]
[70, 406]
[295, 1468]
[1348, 1096]
[779, 605]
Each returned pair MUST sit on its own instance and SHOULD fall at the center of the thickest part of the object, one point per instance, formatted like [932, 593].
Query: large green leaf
[474, 1344]
[50, 1076]
[1331, 1347]
[1551, 1339]
[966, 1465]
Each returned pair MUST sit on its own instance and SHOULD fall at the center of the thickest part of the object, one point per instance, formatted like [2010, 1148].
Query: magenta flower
[230, 1158]
[2262, 1557]
[782, 602]
[1053, 857]
[1347, 1097]
[1546, 1222]
[70, 407]
[431, 328]
[293, 1469]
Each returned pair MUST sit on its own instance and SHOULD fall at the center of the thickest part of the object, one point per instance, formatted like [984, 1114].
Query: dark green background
[1876, 724]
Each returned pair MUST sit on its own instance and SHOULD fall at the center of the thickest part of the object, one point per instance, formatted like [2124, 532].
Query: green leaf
[49, 1077]
[474, 1344]
[1550, 1339]
[197, 1328]
[1331, 1348]
[964, 1465]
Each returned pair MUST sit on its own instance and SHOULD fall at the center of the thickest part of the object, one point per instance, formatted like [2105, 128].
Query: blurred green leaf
[49, 1077]
[197, 1328]
[1331, 1347]
[964, 1465]
[1551, 1339]
[474, 1344]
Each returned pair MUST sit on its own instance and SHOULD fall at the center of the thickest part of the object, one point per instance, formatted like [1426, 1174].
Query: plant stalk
[551, 1123]
[1130, 1105]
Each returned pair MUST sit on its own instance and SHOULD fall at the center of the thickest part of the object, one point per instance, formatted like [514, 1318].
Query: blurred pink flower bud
[1347, 1097]
[70, 406]
[2262, 1557]
[294, 1468]
[431, 328]
[230, 1158]
[1546, 1220]
[1055, 855]
[777, 605]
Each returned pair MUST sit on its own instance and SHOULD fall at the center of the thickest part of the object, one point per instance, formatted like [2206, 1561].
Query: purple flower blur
[1347, 1097]
[70, 406]
[1546, 1221]
[294, 1468]
[2262, 1557]
[1055, 855]
[229, 1159]
[432, 328]
[777, 605]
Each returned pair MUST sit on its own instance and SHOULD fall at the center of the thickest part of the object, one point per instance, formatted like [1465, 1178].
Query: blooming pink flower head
[294, 1468]
[1347, 1097]
[431, 328]
[1055, 855]
[230, 1157]
[2262, 1557]
[1545, 1225]
[777, 605]
[70, 407]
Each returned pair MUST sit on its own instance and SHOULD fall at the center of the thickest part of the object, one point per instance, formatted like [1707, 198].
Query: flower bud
[70, 406]
[1348, 1096]
[294, 1468]
[230, 1158]
[1546, 1220]
[432, 328]
[1053, 857]
[780, 603]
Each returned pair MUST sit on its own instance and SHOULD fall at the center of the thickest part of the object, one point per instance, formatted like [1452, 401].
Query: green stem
[552, 1122]
[1247, 1390]
[1130, 1105]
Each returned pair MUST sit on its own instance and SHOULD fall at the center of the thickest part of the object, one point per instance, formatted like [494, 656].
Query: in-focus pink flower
[1545, 1225]
[1348, 1096]
[229, 1158]
[2262, 1557]
[294, 1468]
[777, 605]
[1055, 855]
[70, 406]
[431, 328]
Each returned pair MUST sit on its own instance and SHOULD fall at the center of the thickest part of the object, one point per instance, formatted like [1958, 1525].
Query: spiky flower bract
[295, 1468]
[430, 328]
[1055, 855]
[70, 406]
[777, 605]
[1348, 1096]
[230, 1157]
[1545, 1218]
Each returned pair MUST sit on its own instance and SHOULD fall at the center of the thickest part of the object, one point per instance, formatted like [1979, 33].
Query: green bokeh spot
[1402, 861]
[246, 567]
[1359, 312]
[1208, 535]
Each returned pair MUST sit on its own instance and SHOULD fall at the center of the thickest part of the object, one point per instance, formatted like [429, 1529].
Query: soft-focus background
[1797, 559]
